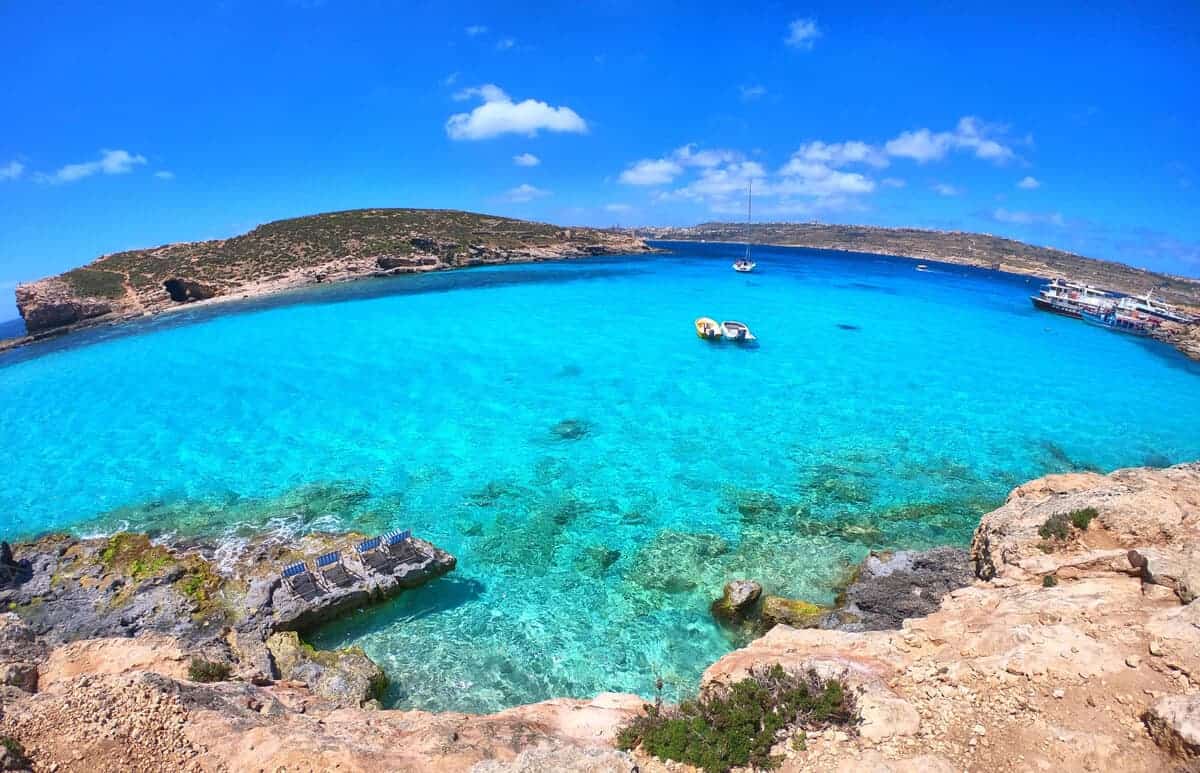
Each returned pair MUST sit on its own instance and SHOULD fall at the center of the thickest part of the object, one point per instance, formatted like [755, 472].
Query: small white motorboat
[922, 267]
[744, 266]
[737, 331]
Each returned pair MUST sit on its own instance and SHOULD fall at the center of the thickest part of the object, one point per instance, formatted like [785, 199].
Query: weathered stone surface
[346, 677]
[737, 601]
[569, 760]
[891, 588]
[186, 290]
[1174, 724]
[777, 610]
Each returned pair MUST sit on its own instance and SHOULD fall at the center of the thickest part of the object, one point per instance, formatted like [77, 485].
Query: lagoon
[598, 471]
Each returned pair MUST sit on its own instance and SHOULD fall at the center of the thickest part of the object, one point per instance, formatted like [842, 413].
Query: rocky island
[1066, 638]
[286, 254]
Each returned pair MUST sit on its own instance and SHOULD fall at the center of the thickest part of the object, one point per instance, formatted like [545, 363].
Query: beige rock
[160, 654]
[1174, 723]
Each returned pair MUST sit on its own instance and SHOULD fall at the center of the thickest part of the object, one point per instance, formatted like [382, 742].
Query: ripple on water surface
[598, 471]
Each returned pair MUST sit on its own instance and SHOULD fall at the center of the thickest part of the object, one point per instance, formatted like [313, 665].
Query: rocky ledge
[1071, 642]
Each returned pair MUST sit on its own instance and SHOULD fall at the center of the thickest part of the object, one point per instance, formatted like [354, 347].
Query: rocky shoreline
[1067, 637]
[292, 254]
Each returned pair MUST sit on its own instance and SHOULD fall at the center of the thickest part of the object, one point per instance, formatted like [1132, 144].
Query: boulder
[737, 602]
[890, 588]
[777, 610]
[186, 290]
[1178, 570]
[347, 677]
[1174, 724]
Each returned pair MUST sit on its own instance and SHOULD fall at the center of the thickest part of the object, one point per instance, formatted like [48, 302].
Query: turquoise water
[598, 471]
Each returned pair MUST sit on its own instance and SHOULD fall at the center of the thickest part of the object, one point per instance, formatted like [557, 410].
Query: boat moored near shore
[708, 329]
[737, 331]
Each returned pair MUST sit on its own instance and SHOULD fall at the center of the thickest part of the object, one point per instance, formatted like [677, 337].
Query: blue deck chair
[370, 553]
[297, 577]
[400, 544]
[332, 570]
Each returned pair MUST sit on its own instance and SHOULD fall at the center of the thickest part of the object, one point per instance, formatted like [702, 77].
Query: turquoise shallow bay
[598, 471]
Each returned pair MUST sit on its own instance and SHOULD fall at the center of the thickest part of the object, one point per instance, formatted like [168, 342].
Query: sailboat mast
[749, 217]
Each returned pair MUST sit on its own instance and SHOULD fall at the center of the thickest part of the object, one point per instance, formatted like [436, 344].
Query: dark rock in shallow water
[892, 587]
[845, 326]
[571, 429]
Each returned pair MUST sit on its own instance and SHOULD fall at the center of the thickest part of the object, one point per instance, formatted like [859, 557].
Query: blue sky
[135, 124]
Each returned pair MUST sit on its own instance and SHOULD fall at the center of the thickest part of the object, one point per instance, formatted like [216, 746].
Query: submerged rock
[890, 588]
[738, 601]
[571, 429]
[676, 561]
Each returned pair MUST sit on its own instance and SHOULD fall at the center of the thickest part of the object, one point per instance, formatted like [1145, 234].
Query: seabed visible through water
[598, 471]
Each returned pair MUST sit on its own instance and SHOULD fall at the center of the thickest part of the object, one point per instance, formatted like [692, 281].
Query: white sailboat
[746, 265]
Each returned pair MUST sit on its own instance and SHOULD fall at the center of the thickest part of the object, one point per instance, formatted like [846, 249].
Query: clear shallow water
[598, 471]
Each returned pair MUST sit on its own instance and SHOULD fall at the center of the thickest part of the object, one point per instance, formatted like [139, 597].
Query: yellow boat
[708, 329]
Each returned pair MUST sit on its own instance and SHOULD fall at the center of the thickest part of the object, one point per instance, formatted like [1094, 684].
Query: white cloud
[1028, 218]
[475, 30]
[945, 189]
[660, 171]
[751, 93]
[165, 174]
[12, 170]
[500, 115]
[650, 171]
[526, 159]
[618, 208]
[110, 162]
[450, 79]
[923, 145]
[802, 33]
[841, 153]
[525, 192]
[505, 43]
[1029, 183]
[892, 182]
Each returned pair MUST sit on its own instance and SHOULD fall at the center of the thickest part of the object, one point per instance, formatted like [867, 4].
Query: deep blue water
[598, 470]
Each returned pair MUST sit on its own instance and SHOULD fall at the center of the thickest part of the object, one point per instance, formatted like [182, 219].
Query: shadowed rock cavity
[890, 588]
[185, 290]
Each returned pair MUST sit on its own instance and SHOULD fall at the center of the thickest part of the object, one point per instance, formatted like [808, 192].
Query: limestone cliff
[332, 247]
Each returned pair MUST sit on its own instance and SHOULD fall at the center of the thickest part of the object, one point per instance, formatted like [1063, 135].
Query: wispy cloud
[1029, 183]
[526, 159]
[499, 114]
[618, 208]
[971, 134]
[661, 171]
[165, 174]
[475, 30]
[751, 93]
[450, 79]
[946, 189]
[525, 192]
[12, 170]
[110, 162]
[1027, 218]
[505, 44]
[892, 182]
[802, 34]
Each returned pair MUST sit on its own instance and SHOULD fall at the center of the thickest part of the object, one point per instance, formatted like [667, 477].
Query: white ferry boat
[1071, 299]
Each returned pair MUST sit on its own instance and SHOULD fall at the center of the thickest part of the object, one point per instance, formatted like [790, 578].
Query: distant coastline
[345, 246]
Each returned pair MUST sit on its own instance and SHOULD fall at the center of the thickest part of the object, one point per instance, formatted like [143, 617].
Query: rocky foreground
[332, 247]
[1074, 644]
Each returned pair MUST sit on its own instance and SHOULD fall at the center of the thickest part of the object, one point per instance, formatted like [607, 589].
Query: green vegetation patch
[134, 556]
[202, 585]
[96, 283]
[1081, 519]
[737, 726]
[17, 758]
[201, 670]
